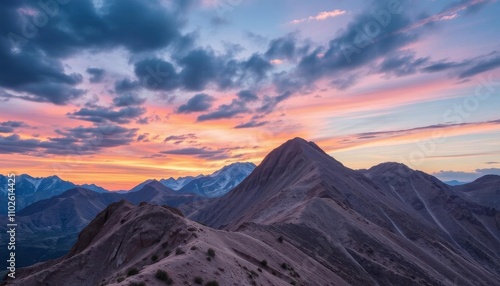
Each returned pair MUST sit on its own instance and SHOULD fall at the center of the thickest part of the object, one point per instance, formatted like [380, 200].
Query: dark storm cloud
[34, 76]
[126, 85]
[388, 133]
[401, 64]
[270, 103]
[247, 95]
[251, 124]
[143, 137]
[128, 100]
[74, 141]
[468, 67]
[34, 44]
[256, 67]
[199, 68]
[156, 74]
[177, 139]
[364, 41]
[488, 63]
[97, 75]
[234, 109]
[102, 114]
[10, 126]
[198, 103]
[203, 153]
[281, 48]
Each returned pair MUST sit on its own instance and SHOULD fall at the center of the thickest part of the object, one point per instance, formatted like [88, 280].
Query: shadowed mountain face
[314, 221]
[48, 228]
[352, 222]
[125, 238]
[485, 191]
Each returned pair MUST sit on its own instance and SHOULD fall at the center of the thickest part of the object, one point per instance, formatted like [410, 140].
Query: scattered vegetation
[212, 283]
[263, 263]
[163, 276]
[253, 274]
[211, 252]
[154, 257]
[167, 253]
[132, 271]
[179, 251]
[120, 279]
[280, 239]
[198, 280]
[137, 284]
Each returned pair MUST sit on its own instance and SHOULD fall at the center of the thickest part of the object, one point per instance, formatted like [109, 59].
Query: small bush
[137, 284]
[163, 276]
[194, 247]
[211, 252]
[120, 279]
[154, 257]
[212, 283]
[198, 280]
[179, 251]
[280, 239]
[263, 263]
[132, 271]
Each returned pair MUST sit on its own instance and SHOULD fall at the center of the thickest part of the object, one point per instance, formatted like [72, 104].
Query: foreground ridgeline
[300, 218]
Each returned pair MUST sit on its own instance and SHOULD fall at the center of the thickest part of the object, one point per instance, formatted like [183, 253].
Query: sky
[114, 92]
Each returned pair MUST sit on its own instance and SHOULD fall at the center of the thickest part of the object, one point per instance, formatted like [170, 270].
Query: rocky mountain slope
[300, 218]
[354, 223]
[48, 228]
[485, 191]
[149, 244]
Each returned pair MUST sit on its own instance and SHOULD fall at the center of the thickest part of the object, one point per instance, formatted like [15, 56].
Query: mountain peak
[391, 167]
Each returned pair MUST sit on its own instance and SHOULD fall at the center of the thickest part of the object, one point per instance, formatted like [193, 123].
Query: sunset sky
[114, 92]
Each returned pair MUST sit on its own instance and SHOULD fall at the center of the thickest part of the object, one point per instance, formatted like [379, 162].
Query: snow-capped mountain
[30, 189]
[177, 184]
[220, 182]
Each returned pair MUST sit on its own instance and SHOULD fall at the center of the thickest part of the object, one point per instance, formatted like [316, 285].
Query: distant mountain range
[217, 184]
[29, 189]
[454, 183]
[299, 218]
